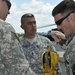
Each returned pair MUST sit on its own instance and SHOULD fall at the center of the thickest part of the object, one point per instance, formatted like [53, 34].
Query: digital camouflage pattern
[12, 58]
[69, 55]
[33, 51]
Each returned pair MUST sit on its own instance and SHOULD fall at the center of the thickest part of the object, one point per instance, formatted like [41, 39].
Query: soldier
[32, 43]
[64, 15]
[12, 58]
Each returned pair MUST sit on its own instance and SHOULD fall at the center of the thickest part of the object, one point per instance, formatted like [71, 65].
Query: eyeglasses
[8, 4]
[61, 20]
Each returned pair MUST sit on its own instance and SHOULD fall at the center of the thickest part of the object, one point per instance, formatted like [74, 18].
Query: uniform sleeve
[72, 59]
[12, 58]
[51, 45]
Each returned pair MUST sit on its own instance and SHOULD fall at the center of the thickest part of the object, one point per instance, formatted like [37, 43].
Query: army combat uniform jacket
[69, 55]
[12, 59]
[33, 51]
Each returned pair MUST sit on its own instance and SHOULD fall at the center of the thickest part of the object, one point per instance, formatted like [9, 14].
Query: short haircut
[27, 15]
[63, 7]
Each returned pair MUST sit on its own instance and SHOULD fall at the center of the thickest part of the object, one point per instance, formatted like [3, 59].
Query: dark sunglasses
[8, 4]
[61, 20]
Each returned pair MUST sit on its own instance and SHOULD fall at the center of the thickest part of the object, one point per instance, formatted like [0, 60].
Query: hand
[57, 36]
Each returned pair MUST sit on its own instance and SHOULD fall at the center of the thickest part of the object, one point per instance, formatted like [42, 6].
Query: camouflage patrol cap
[66, 5]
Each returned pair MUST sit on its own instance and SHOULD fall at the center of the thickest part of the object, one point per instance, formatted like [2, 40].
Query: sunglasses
[8, 4]
[62, 19]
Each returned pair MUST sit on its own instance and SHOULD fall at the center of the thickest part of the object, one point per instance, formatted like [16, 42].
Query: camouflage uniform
[69, 55]
[12, 59]
[33, 51]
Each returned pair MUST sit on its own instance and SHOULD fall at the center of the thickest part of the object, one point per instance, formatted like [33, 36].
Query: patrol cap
[64, 6]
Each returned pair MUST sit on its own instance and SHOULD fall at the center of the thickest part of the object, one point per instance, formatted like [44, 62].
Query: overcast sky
[40, 8]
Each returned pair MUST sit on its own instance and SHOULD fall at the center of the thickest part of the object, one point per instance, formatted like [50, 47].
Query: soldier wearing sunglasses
[64, 16]
[12, 58]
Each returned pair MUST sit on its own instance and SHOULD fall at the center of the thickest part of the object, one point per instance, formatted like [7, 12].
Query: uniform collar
[69, 38]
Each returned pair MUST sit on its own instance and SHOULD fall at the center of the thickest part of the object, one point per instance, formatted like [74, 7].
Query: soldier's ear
[22, 26]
